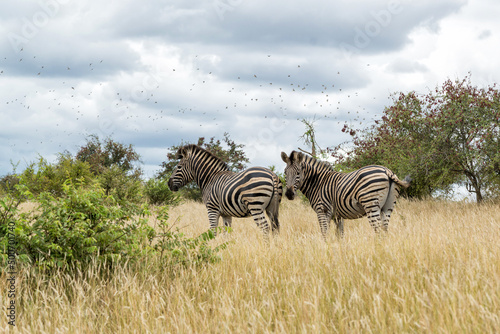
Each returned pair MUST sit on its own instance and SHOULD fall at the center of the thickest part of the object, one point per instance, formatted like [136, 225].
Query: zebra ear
[181, 153]
[300, 157]
[285, 158]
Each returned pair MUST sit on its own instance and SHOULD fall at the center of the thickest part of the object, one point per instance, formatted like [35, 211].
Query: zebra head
[293, 172]
[182, 173]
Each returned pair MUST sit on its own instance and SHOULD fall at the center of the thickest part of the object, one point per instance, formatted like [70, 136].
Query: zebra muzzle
[172, 186]
[290, 194]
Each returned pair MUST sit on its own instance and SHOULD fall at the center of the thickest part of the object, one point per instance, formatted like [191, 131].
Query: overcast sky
[155, 73]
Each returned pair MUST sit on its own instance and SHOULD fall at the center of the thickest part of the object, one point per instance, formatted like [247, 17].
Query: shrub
[42, 176]
[82, 223]
[9, 206]
[158, 193]
[8, 183]
[176, 249]
[85, 225]
[123, 187]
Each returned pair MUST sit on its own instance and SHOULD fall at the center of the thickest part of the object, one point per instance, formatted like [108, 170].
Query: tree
[102, 156]
[309, 138]
[113, 163]
[231, 153]
[449, 136]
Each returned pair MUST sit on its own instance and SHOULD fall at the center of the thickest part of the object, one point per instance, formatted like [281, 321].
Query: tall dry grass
[436, 271]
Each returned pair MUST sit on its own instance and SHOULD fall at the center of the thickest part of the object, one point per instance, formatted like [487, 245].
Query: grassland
[436, 271]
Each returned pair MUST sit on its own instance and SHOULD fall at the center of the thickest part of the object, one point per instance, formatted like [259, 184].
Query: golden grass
[436, 271]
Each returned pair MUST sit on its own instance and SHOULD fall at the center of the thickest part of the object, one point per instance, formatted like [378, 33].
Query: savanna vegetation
[436, 271]
[99, 248]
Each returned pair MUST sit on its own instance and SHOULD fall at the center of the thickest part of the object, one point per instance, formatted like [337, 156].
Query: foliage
[102, 156]
[158, 193]
[231, 153]
[7, 183]
[9, 206]
[123, 187]
[113, 163]
[86, 225]
[88, 209]
[42, 176]
[82, 223]
[110, 163]
[449, 136]
[177, 249]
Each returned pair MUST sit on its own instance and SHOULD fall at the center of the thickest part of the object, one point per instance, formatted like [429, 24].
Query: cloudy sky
[158, 73]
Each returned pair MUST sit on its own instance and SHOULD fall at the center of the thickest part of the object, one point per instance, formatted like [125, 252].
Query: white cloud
[155, 73]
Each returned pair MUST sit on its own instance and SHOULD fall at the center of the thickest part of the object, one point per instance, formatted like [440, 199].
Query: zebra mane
[196, 149]
[313, 162]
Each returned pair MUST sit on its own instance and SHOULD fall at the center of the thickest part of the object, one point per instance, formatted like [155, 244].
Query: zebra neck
[205, 170]
[314, 180]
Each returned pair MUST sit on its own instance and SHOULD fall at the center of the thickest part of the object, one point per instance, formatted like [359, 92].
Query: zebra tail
[393, 177]
[405, 183]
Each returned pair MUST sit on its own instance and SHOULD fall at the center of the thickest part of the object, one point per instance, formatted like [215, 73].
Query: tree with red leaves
[449, 136]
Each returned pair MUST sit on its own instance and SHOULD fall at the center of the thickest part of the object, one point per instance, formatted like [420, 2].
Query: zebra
[369, 191]
[227, 193]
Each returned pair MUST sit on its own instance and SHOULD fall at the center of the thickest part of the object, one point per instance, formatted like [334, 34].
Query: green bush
[158, 193]
[175, 249]
[42, 176]
[9, 206]
[123, 187]
[8, 183]
[84, 225]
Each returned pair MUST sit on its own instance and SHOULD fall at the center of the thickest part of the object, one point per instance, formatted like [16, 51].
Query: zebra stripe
[228, 194]
[369, 191]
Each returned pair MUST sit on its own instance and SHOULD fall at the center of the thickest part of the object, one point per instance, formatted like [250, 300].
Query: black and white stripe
[226, 193]
[369, 191]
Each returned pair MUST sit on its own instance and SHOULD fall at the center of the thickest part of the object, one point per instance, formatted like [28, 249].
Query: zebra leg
[275, 224]
[386, 215]
[373, 214]
[324, 223]
[227, 220]
[340, 227]
[213, 218]
[385, 220]
[260, 219]
[273, 207]
[389, 206]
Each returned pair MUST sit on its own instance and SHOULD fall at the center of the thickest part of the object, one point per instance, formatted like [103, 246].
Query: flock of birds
[74, 101]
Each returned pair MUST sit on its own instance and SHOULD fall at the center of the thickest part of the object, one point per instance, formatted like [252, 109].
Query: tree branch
[305, 151]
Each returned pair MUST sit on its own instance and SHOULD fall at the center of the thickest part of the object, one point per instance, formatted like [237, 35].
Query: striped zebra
[369, 191]
[226, 193]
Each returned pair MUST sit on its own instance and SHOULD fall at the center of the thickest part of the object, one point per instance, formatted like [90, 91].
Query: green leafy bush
[84, 225]
[158, 193]
[9, 206]
[8, 183]
[42, 176]
[175, 249]
[123, 187]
